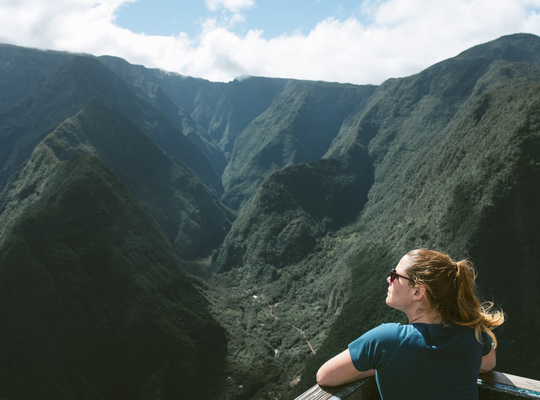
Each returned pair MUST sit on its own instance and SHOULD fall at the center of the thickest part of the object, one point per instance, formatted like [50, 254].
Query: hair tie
[456, 271]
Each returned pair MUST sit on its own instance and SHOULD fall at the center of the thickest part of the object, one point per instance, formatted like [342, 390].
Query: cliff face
[455, 184]
[330, 185]
[450, 156]
[93, 298]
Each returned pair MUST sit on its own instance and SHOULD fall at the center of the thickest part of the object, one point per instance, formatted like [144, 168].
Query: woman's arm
[340, 370]
[488, 361]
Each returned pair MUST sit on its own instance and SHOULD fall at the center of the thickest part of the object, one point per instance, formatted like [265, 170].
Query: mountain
[258, 124]
[92, 297]
[295, 207]
[330, 185]
[157, 87]
[121, 144]
[454, 157]
[298, 127]
[190, 215]
[23, 69]
[61, 95]
[221, 110]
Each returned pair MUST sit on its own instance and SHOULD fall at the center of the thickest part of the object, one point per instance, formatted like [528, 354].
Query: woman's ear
[419, 293]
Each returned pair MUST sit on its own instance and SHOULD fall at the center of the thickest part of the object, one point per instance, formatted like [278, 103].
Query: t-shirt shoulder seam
[409, 333]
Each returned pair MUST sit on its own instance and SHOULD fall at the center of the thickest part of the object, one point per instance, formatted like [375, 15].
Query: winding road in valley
[271, 307]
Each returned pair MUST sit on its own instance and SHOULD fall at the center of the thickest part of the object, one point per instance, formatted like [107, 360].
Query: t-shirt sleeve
[487, 343]
[369, 350]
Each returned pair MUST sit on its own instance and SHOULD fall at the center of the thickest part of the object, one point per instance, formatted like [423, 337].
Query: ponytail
[451, 291]
[472, 313]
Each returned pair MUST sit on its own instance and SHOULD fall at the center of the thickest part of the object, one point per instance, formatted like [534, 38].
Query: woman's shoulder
[391, 325]
[394, 327]
[393, 330]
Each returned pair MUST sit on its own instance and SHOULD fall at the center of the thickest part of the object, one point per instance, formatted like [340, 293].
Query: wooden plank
[517, 387]
[511, 380]
[351, 391]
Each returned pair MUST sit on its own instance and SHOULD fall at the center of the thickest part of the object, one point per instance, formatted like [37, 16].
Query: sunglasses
[394, 275]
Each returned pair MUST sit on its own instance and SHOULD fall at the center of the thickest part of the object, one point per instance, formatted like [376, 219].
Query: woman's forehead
[403, 264]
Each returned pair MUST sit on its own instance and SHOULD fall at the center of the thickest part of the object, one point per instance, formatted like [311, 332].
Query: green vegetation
[447, 159]
[296, 206]
[24, 69]
[190, 215]
[471, 178]
[94, 299]
[298, 127]
[62, 95]
[111, 172]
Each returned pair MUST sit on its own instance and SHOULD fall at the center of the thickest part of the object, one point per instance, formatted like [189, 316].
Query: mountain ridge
[37, 115]
[194, 221]
[331, 183]
[410, 123]
[302, 123]
[97, 285]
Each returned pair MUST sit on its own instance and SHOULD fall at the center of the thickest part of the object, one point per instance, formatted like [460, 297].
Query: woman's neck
[425, 318]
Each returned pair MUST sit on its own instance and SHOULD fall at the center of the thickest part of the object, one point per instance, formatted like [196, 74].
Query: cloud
[402, 38]
[230, 15]
[388, 38]
[83, 25]
[231, 5]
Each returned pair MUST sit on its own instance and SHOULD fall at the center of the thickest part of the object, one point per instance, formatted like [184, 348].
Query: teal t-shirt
[422, 361]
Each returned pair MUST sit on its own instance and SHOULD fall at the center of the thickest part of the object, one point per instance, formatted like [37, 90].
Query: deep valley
[167, 237]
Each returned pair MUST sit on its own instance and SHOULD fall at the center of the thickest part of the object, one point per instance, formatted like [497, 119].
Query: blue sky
[273, 17]
[361, 42]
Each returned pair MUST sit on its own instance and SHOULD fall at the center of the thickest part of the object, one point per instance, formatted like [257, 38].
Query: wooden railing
[491, 386]
[362, 389]
[496, 385]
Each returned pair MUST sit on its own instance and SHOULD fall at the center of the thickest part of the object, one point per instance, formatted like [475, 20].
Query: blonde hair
[451, 291]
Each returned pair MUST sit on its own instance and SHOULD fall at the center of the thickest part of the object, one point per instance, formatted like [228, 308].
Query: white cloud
[392, 38]
[231, 5]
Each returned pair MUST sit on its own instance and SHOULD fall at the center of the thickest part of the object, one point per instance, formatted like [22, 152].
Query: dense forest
[167, 237]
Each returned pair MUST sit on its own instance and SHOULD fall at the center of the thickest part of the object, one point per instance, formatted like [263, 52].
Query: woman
[447, 342]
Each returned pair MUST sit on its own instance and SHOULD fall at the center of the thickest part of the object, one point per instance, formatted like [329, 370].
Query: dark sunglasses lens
[393, 276]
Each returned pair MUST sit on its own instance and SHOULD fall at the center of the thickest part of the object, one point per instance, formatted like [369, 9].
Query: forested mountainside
[258, 124]
[285, 201]
[94, 304]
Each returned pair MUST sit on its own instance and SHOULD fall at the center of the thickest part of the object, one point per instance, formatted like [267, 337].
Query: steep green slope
[454, 156]
[186, 92]
[22, 69]
[222, 110]
[242, 101]
[521, 48]
[334, 184]
[294, 208]
[405, 119]
[277, 311]
[154, 85]
[191, 216]
[62, 94]
[219, 112]
[92, 299]
[472, 193]
[299, 127]
[285, 121]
